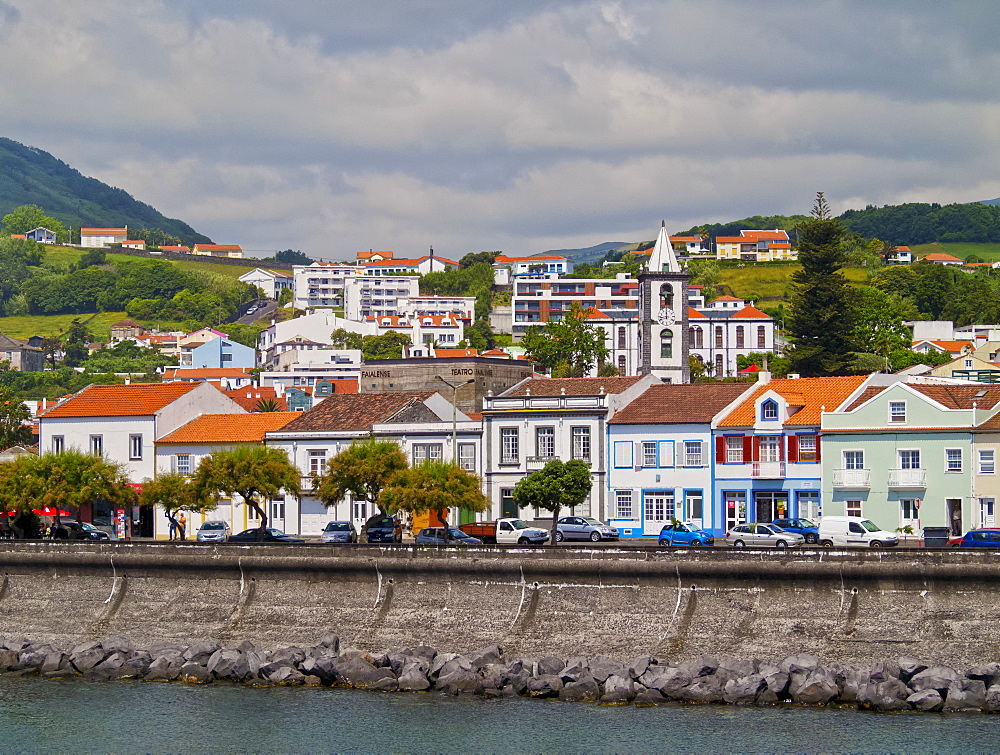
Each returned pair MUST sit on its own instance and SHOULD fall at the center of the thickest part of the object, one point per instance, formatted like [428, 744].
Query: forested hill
[917, 223]
[32, 176]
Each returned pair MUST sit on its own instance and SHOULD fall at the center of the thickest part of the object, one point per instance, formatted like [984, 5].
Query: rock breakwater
[903, 684]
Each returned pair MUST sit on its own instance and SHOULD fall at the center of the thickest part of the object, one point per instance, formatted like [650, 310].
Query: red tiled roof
[204, 373]
[725, 298]
[219, 247]
[503, 258]
[175, 248]
[104, 231]
[694, 314]
[698, 402]
[249, 397]
[136, 400]
[777, 234]
[230, 428]
[448, 353]
[941, 257]
[573, 386]
[749, 311]
[355, 411]
[811, 393]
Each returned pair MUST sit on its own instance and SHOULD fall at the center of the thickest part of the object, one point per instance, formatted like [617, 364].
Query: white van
[854, 531]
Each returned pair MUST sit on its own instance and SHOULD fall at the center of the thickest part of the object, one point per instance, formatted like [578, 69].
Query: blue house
[223, 353]
[41, 235]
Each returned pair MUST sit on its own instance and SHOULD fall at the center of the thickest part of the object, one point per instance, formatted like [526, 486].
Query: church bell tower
[663, 320]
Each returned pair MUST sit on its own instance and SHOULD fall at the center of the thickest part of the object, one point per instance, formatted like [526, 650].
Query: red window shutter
[748, 449]
[720, 450]
[818, 444]
[793, 448]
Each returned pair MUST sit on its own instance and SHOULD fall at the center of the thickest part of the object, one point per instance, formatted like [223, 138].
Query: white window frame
[665, 453]
[581, 442]
[853, 507]
[897, 412]
[861, 457]
[734, 449]
[772, 445]
[987, 461]
[185, 469]
[952, 462]
[813, 453]
[769, 410]
[901, 451]
[58, 443]
[509, 445]
[317, 462]
[97, 445]
[467, 456]
[649, 455]
[545, 442]
[135, 447]
[623, 454]
[694, 453]
[427, 452]
[624, 504]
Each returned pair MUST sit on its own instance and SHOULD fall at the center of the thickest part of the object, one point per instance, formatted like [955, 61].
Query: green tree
[293, 257]
[559, 483]
[569, 345]
[345, 339]
[248, 335]
[778, 366]
[386, 346]
[433, 486]
[66, 480]
[75, 344]
[707, 273]
[820, 325]
[267, 405]
[174, 492]
[362, 470]
[255, 473]
[27, 217]
[472, 258]
[899, 280]
[154, 237]
[285, 296]
[15, 427]
[878, 322]
[91, 258]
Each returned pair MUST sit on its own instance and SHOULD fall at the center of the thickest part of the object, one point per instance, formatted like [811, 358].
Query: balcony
[907, 479]
[768, 470]
[852, 479]
[537, 462]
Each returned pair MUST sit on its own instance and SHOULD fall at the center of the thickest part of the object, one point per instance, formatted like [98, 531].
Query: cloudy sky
[333, 126]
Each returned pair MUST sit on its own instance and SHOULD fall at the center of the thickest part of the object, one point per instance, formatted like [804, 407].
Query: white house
[95, 237]
[541, 419]
[660, 448]
[41, 235]
[271, 282]
[506, 268]
[726, 328]
[312, 331]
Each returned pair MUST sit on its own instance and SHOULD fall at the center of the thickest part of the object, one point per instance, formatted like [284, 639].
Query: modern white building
[507, 268]
[307, 333]
[536, 301]
[377, 296]
[96, 237]
[271, 282]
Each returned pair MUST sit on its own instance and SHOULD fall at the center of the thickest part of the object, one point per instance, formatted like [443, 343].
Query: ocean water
[42, 715]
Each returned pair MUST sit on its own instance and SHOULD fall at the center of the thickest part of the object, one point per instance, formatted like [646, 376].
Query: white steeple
[663, 259]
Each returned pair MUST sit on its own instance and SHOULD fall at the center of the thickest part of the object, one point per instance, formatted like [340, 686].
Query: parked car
[986, 537]
[506, 532]
[854, 531]
[809, 530]
[213, 531]
[271, 535]
[685, 533]
[435, 536]
[79, 531]
[339, 532]
[583, 528]
[762, 536]
[385, 530]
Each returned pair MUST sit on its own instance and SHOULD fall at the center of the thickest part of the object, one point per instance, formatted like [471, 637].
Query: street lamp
[454, 412]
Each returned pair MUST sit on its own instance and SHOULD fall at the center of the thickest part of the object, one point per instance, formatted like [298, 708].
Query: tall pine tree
[821, 323]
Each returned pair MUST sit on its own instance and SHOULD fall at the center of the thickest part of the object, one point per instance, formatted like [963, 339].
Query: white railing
[851, 479]
[768, 470]
[907, 478]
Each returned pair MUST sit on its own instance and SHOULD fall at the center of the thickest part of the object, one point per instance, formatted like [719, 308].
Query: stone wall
[854, 607]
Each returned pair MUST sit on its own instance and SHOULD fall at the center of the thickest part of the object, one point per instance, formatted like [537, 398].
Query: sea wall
[849, 607]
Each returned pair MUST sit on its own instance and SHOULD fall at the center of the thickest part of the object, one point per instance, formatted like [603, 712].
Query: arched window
[622, 367]
[666, 296]
[666, 344]
[621, 338]
[740, 337]
[761, 337]
[718, 366]
[718, 336]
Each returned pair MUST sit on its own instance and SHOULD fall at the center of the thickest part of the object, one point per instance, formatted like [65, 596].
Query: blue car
[804, 527]
[981, 538]
[685, 533]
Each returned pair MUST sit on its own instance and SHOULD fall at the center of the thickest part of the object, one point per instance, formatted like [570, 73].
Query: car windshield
[869, 525]
[274, 532]
[457, 533]
[519, 525]
[337, 527]
[594, 522]
[85, 526]
[805, 523]
[213, 526]
[685, 527]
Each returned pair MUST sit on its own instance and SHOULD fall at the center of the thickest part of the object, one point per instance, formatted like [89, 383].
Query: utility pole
[454, 413]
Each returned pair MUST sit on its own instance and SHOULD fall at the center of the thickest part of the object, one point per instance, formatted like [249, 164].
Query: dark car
[271, 535]
[436, 536]
[78, 531]
[981, 538]
[339, 532]
[385, 530]
[808, 530]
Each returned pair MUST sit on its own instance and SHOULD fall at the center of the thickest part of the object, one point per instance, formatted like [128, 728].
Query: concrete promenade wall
[847, 606]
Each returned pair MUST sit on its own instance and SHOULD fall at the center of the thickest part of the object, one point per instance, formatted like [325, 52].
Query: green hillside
[32, 176]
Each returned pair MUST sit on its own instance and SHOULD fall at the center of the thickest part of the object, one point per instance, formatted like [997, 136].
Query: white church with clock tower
[663, 315]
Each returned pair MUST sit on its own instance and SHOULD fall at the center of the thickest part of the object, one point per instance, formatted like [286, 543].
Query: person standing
[182, 524]
[173, 525]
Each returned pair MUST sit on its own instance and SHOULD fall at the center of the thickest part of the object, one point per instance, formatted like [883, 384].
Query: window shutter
[666, 453]
[793, 448]
[751, 449]
[720, 450]
[818, 444]
[623, 453]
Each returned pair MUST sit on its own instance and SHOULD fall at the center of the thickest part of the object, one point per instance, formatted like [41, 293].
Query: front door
[987, 518]
[771, 505]
[955, 515]
[909, 514]
[736, 508]
[658, 509]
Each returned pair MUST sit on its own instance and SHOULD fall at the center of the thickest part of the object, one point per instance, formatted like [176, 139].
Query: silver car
[339, 532]
[583, 528]
[762, 536]
[213, 531]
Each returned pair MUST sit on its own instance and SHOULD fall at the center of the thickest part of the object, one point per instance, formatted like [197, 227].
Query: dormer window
[769, 410]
